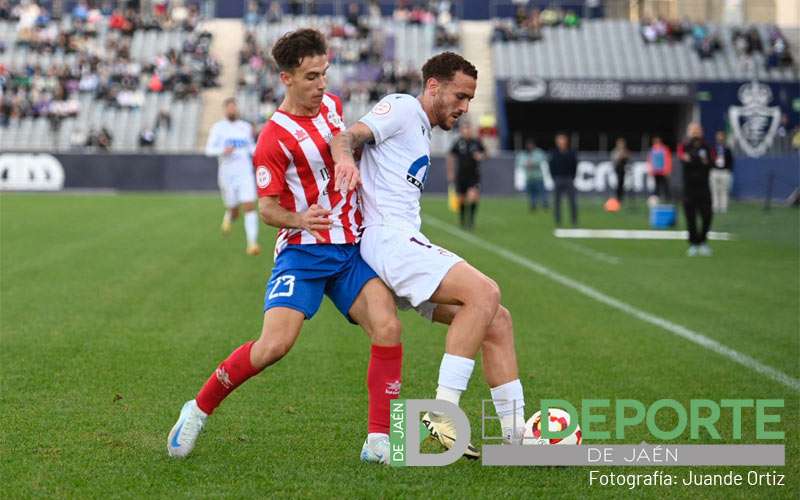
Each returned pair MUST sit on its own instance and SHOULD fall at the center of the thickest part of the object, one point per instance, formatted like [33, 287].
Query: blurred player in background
[317, 251]
[463, 168]
[532, 161]
[441, 286]
[695, 156]
[659, 165]
[721, 173]
[231, 140]
[563, 163]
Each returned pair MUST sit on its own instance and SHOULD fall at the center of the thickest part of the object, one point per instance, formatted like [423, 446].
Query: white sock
[509, 402]
[454, 374]
[372, 436]
[226, 218]
[251, 227]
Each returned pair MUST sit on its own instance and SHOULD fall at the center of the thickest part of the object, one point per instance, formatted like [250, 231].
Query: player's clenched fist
[346, 176]
[316, 219]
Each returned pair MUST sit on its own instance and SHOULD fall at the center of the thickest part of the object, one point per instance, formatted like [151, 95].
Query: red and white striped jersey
[293, 161]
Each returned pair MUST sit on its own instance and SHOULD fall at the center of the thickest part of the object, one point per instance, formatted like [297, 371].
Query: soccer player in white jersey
[231, 140]
[396, 137]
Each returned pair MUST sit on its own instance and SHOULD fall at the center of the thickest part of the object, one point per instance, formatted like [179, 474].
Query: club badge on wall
[754, 123]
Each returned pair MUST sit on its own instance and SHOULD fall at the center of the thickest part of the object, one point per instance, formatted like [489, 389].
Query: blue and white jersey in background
[394, 168]
[238, 134]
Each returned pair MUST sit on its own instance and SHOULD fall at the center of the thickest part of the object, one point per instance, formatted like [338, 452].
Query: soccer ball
[559, 419]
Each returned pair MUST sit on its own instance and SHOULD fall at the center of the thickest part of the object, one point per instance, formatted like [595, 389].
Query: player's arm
[313, 220]
[480, 154]
[343, 148]
[215, 144]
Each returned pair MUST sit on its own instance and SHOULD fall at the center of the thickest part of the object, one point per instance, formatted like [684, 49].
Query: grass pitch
[115, 309]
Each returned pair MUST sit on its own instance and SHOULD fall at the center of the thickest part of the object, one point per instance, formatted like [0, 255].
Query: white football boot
[376, 449]
[183, 435]
[442, 429]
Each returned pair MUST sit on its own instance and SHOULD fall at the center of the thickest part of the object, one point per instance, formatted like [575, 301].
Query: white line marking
[626, 234]
[675, 329]
[595, 254]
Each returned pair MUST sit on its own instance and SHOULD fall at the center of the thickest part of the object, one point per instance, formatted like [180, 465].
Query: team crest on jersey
[418, 172]
[263, 177]
[754, 124]
[335, 119]
[301, 135]
[381, 108]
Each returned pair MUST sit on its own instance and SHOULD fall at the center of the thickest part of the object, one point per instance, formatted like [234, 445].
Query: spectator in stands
[81, 11]
[164, 119]
[696, 156]
[721, 173]
[620, 157]
[147, 138]
[275, 13]
[5, 10]
[563, 165]
[252, 17]
[778, 53]
[659, 166]
[571, 19]
[532, 160]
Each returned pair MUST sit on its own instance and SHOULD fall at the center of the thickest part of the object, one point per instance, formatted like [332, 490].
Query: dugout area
[594, 126]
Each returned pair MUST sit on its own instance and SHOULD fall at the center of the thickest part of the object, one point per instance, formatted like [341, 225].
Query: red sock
[383, 382]
[229, 375]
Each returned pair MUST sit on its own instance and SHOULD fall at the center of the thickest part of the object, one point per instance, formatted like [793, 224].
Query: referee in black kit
[463, 168]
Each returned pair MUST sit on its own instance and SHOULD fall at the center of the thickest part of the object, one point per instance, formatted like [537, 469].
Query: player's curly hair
[444, 67]
[290, 49]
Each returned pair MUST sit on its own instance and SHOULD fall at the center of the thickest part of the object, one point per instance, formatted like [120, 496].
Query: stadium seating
[405, 47]
[124, 123]
[614, 49]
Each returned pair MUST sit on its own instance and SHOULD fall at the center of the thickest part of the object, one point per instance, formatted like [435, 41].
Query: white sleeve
[251, 143]
[389, 116]
[214, 145]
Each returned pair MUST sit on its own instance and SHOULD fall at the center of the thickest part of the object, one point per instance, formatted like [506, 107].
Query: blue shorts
[303, 273]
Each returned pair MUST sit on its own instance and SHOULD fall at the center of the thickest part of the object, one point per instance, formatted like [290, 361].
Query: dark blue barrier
[753, 177]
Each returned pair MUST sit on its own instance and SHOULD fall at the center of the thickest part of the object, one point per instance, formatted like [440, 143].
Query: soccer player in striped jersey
[440, 285]
[316, 252]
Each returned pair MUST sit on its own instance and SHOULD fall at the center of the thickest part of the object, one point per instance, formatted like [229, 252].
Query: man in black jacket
[563, 167]
[721, 174]
[696, 158]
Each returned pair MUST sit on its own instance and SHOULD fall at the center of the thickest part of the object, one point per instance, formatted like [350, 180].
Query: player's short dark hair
[290, 49]
[444, 67]
[227, 101]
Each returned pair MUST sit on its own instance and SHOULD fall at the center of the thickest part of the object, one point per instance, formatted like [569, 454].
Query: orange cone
[612, 205]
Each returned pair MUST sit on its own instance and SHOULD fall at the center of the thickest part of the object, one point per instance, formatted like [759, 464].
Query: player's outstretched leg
[228, 219]
[479, 299]
[278, 334]
[375, 311]
[499, 368]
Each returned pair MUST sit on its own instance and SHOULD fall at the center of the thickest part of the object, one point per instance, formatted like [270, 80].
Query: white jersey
[394, 168]
[238, 134]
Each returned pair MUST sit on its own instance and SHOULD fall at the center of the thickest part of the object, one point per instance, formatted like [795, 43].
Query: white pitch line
[595, 254]
[673, 328]
[628, 234]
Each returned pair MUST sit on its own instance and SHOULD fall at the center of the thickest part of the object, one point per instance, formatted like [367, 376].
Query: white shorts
[410, 265]
[237, 189]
